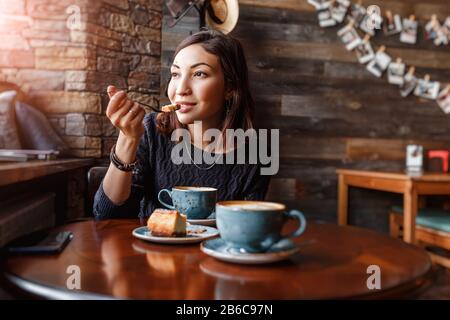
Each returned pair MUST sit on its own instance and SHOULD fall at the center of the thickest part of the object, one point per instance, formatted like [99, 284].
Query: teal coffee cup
[195, 202]
[255, 226]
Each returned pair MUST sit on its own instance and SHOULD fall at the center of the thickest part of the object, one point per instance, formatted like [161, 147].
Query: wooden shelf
[13, 172]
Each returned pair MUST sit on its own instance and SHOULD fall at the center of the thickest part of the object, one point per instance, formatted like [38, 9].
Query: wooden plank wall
[331, 112]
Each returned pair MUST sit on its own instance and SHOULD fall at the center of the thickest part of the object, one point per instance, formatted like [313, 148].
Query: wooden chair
[432, 231]
[95, 176]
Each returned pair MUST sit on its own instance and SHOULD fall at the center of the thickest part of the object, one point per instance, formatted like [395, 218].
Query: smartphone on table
[41, 242]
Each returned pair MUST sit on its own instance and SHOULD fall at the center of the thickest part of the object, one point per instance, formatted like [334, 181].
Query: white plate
[145, 234]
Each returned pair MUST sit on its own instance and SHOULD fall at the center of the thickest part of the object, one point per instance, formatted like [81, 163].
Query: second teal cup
[195, 202]
[255, 226]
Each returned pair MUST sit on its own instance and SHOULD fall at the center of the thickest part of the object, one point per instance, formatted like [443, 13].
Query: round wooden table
[332, 262]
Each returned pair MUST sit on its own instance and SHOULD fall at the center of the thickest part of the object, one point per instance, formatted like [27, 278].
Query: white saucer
[145, 234]
[218, 249]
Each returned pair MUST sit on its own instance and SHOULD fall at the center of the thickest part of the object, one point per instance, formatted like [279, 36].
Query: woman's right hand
[125, 114]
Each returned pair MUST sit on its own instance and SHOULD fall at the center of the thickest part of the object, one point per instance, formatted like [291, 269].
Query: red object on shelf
[441, 154]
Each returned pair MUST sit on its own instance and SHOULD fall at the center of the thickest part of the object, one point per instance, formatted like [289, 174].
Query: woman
[209, 80]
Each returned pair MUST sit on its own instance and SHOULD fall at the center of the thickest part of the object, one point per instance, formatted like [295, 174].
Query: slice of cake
[167, 223]
[170, 108]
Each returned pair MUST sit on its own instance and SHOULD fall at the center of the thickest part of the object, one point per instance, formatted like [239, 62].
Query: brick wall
[66, 67]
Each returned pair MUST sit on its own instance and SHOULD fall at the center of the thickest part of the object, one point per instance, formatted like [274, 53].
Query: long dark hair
[234, 66]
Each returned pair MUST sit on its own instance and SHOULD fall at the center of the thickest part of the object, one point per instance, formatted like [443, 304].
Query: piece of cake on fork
[167, 223]
[170, 108]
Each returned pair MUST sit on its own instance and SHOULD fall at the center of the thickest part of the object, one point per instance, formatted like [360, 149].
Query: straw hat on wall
[222, 15]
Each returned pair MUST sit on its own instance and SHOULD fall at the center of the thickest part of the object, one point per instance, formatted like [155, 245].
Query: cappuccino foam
[254, 206]
[195, 188]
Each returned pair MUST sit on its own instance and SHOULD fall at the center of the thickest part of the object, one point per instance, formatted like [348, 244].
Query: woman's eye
[174, 74]
[199, 74]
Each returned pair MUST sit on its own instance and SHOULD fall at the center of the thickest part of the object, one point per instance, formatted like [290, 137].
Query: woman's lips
[186, 107]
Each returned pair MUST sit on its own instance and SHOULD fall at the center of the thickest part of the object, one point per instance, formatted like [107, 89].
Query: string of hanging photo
[370, 20]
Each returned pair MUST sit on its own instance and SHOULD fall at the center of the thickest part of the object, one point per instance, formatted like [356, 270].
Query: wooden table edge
[44, 291]
[402, 291]
[366, 173]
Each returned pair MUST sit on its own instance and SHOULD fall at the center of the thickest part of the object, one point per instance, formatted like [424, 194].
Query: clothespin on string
[366, 38]
[411, 71]
[381, 49]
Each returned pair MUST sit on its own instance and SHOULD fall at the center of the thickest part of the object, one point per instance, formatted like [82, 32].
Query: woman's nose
[183, 88]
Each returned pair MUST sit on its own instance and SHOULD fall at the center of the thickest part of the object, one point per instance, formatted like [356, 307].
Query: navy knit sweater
[157, 171]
